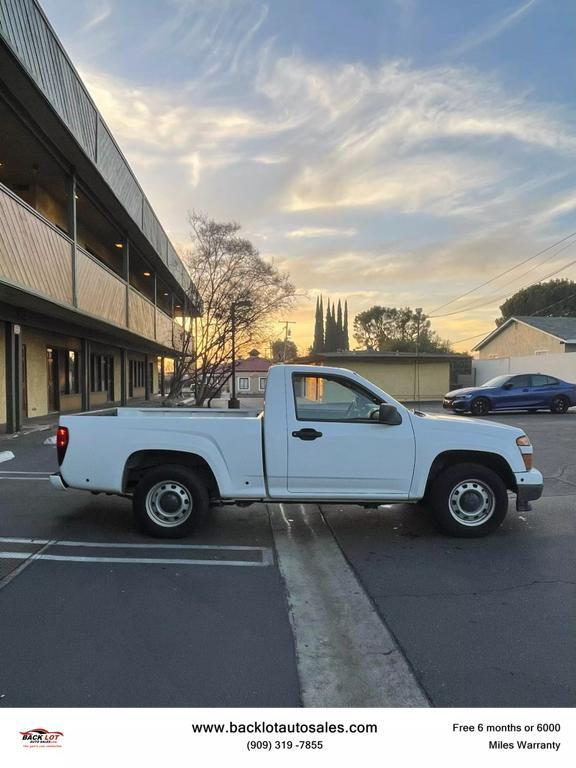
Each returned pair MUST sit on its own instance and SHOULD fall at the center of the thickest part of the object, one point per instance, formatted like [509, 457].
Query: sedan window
[538, 380]
[520, 382]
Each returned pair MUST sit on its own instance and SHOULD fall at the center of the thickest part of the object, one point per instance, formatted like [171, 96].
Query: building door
[24, 383]
[53, 388]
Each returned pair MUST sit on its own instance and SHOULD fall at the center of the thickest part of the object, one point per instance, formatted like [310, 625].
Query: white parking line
[266, 556]
[22, 472]
[132, 560]
[6, 456]
[119, 545]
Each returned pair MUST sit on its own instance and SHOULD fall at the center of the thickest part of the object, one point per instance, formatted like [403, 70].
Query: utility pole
[286, 323]
[417, 372]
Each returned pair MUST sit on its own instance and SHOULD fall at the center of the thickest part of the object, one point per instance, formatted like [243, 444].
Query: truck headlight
[525, 447]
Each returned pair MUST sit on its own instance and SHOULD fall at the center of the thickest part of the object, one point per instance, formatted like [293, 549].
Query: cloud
[314, 232]
[100, 13]
[494, 30]
[311, 155]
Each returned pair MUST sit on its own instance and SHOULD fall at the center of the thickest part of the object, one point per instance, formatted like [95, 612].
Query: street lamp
[234, 402]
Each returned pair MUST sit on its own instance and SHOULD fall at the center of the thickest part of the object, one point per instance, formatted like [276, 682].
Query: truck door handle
[307, 434]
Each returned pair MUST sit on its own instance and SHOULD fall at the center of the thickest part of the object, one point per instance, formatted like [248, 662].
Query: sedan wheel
[480, 406]
[560, 404]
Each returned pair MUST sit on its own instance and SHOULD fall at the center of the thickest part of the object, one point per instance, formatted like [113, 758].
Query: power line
[477, 336]
[493, 299]
[533, 314]
[560, 301]
[501, 274]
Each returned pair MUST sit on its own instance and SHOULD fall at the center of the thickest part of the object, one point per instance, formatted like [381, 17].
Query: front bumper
[460, 406]
[529, 487]
[57, 482]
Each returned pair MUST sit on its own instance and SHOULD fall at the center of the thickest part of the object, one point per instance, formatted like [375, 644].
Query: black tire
[480, 406]
[484, 488]
[560, 404]
[170, 501]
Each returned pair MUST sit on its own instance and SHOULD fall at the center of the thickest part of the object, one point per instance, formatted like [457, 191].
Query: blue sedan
[527, 391]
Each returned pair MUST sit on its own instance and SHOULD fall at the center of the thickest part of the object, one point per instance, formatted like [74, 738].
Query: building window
[262, 383]
[137, 374]
[101, 373]
[244, 384]
[72, 376]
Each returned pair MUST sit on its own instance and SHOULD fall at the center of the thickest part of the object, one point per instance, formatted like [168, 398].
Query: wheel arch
[140, 462]
[493, 461]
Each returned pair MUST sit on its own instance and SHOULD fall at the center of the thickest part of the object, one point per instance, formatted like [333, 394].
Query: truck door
[336, 450]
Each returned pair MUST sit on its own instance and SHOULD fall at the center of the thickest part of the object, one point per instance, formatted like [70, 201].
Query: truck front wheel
[169, 501]
[468, 500]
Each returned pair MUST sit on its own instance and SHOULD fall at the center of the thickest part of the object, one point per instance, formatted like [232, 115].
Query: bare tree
[226, 270]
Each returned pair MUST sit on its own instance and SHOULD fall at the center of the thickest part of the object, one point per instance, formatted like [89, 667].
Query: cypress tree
[318, 344]
[328, 330]
[345, 338]
[339, 328]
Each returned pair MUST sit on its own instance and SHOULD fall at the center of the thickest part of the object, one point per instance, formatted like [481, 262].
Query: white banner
[191, 737]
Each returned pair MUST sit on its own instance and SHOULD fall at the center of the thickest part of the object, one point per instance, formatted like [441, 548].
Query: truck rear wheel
[469, 500]
[170, 501]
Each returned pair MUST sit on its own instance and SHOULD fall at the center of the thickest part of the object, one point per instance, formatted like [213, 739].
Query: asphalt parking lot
[95, 614]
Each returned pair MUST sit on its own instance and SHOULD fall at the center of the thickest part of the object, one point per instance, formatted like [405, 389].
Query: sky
[396, 152]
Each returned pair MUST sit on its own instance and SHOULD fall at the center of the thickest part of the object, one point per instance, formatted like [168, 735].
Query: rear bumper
[57, 482]
[530, 486]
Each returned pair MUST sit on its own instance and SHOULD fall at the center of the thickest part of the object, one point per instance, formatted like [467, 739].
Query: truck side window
[328, 398]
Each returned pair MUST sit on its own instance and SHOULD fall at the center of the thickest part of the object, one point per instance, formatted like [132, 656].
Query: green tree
[556, 298]
[278, 351]
[339, 328]
[345, 337]
[329, 340]
[318, 343]
[393, 329]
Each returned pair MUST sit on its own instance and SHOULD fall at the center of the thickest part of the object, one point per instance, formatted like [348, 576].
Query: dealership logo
[40, 737]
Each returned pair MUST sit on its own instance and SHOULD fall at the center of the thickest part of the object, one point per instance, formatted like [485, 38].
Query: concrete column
[127, 278]
[13, 377]
[85, 374]
[73, 231]
[162, 376]
[123, 377]
[147, 382]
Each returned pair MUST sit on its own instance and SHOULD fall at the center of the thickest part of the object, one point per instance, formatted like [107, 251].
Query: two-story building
[91, 289]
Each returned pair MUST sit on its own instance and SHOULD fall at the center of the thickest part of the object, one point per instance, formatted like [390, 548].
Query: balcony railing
[34, 254]
[38, 258]
[140, 314]
[99, 291]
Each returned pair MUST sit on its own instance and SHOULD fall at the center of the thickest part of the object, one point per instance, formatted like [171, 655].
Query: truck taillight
[61, 443]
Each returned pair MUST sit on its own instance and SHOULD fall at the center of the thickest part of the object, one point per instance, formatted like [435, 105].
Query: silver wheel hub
[471, 502]
[169, 503]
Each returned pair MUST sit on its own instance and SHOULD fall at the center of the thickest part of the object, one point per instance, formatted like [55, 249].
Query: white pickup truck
[327, 435]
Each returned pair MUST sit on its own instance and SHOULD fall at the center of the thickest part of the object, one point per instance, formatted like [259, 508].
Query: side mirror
[389, 414]
[508, 385]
